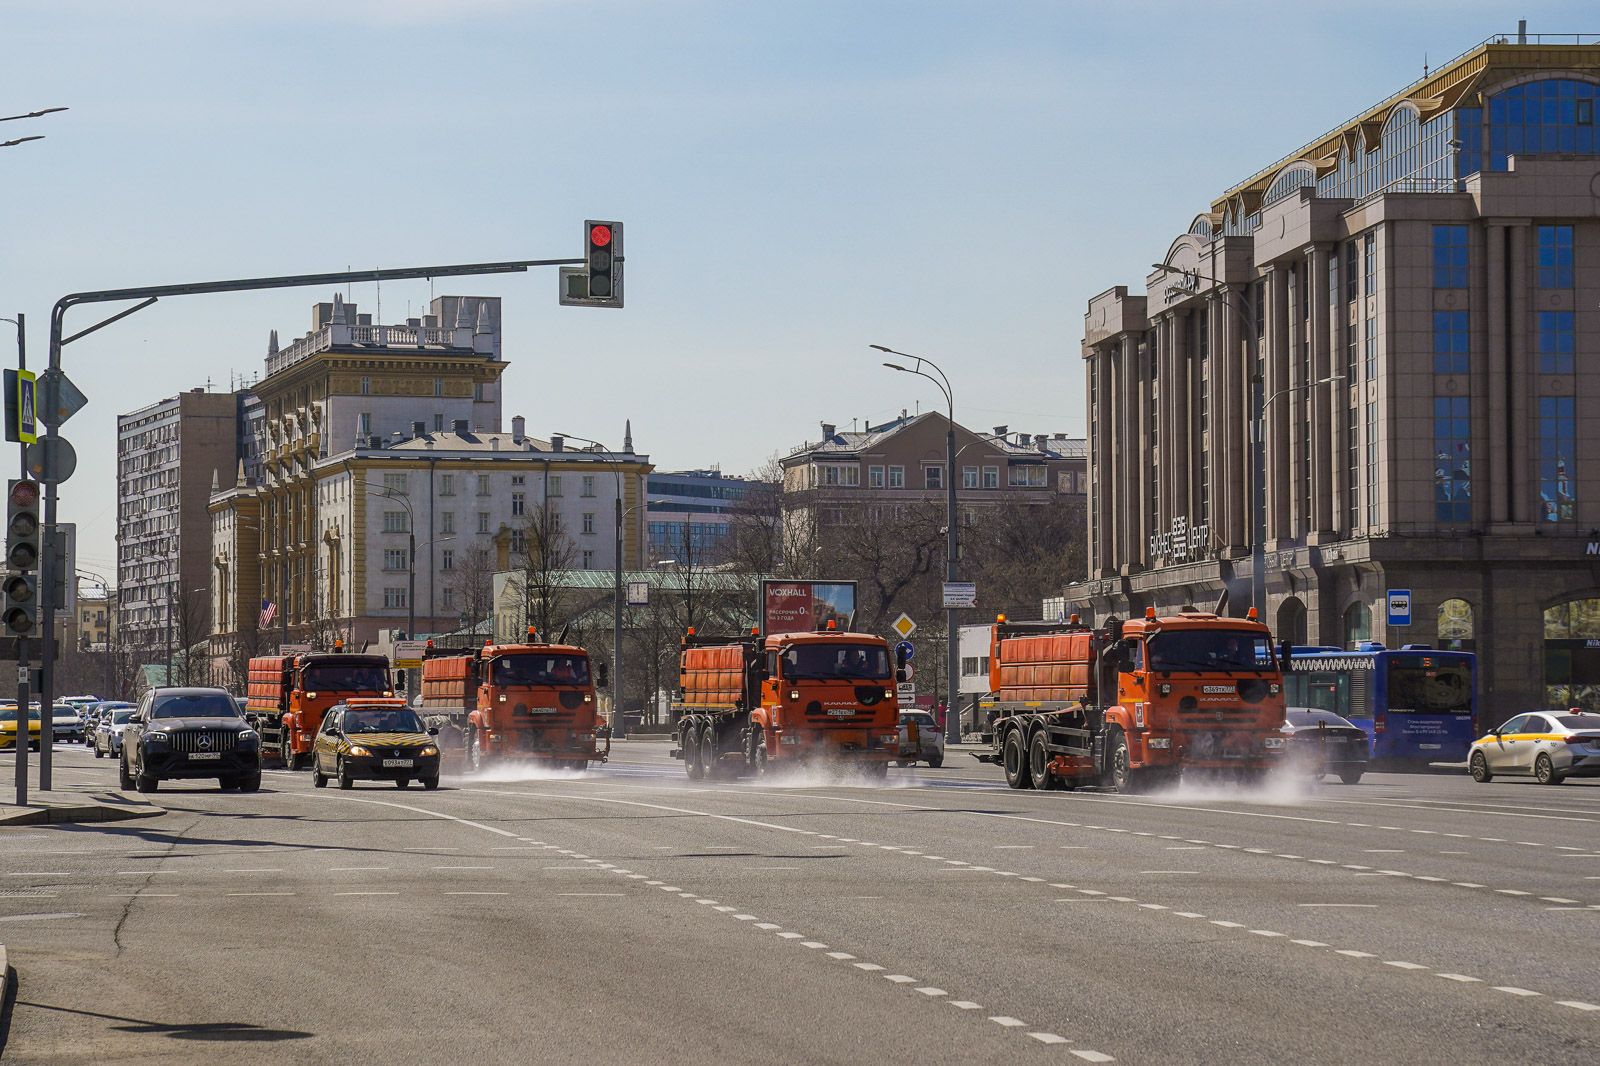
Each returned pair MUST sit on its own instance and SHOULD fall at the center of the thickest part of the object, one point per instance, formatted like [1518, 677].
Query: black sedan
[1320, 742]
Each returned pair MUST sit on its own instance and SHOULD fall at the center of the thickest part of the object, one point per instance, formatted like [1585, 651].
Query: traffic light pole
[147, 295]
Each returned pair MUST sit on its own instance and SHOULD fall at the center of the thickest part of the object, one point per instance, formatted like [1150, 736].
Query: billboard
[806, 606]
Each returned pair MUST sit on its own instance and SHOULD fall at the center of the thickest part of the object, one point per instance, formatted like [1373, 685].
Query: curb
[79, 813]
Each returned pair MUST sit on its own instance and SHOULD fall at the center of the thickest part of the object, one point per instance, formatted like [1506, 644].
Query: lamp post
[619, 724]
[1259, 402]
[952, 726]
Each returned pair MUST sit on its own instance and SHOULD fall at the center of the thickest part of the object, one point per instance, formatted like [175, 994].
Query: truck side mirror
[1285, 650]
[602, 676]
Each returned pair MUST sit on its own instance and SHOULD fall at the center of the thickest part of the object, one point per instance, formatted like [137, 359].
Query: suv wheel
[146, 782]
[124, 778]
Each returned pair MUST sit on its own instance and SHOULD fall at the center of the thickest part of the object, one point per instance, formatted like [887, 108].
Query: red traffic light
[24, 493]
[600, 235]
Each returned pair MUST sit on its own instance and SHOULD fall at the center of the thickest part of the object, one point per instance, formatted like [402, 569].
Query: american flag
[269, 611]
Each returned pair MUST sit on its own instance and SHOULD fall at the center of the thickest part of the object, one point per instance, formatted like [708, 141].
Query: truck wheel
[708, 749]
[689, 741]
[1351, 777]
[758, 752]
[1119, 774]
[1016, 761]
[1039, 763]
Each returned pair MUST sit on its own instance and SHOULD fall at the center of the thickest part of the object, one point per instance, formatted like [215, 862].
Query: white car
[920, 739]
[66, 724]
[108, 734]
[1548, 745]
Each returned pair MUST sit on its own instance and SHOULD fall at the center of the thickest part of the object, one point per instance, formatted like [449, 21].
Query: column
[1128, 426]
[1113, 415]
[1144, 465]
[1321, 397]
[1522, 465]
[1496, 363]
[1167, 391]
[1279, 451]
[1181, 385]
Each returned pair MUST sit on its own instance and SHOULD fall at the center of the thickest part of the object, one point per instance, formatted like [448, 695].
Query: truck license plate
[396, 762]
[200, 756]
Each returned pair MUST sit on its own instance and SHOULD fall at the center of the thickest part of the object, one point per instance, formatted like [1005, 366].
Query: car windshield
[344, 677]
[63, 711]
[381, 720]
[194, 705]
[531, 668]
[1304, 718]
[121, 715]
[1209, 649]
[1579, 721]
[826, 661]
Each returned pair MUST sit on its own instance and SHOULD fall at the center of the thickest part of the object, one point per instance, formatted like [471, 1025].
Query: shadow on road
[242, 1032]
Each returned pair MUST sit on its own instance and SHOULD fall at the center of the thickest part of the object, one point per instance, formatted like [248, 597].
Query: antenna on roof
[1424, 64]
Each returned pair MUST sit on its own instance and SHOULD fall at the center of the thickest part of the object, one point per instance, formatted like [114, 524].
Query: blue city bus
[1416, 704]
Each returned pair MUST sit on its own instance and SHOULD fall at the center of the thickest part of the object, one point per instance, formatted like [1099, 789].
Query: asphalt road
[628, 915]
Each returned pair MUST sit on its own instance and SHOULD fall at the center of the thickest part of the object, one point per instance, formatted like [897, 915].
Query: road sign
[27, 401]
[906, 693]
[1399, 607]
[904, 626]
[638, 593]
[960, 594]
[294, 649]
[906, 649]
[408, 654]
[51, 460]
[58, 397]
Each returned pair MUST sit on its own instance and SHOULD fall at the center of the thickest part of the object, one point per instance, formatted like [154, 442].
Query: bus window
[1425, 685]
[1324, 692]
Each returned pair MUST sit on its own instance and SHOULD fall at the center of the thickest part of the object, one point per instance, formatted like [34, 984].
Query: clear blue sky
[798, 180]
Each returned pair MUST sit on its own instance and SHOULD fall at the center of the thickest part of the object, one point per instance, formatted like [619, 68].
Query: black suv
[189, 732]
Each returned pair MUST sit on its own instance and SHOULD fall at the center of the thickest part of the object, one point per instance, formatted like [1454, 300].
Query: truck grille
[193, 740]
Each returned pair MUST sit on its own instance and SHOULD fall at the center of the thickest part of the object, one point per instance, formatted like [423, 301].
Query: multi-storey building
[1410, 291]
[849, 474]
[169, 454]
[97, 620]
[373, 441]
[699, 508]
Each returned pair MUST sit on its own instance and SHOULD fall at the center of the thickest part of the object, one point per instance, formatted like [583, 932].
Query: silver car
[1551, 746]
[920, 739]
[108, 734]
[66, 724]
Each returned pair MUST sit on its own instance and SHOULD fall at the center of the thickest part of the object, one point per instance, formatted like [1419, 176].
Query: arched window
[1553, 115]
[1293, 177]
[1357, 624]
[1292, 621]
[1201, 227]
[1453, 630]
[1571, 663]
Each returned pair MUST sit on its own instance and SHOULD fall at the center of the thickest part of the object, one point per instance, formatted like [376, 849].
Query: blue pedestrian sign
[1399, 607]
[906, 648]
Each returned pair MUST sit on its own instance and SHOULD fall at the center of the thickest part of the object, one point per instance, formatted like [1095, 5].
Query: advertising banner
[806, 606]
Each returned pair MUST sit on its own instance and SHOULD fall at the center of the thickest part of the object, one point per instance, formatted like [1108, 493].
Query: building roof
[487, 443]
[849, 444]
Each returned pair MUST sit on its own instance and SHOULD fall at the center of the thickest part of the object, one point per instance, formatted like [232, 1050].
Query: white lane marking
[142, 895]
[366, 893]
[279, 869]
[29, 895]
[467, 867]
[1405, 965]
[1557, 899]
[813, 944]
[43, 873]
[1578, 1004]
[768, 926]
[259, 893]
[1049, 1038]
[1006, 1020]
[899, 978]
[1309, 943]
[344, 869]
[477, 893]
[1152, 906]
[1188, 914]
[1014, 847]
[617, 895]
[1515, 991]
[1186, 847]
[929, 990]
[1463, 978]
[40, 917]
[840, 955]
[965, 1004]
[1092, 1056]
[1355, 954]
[1384, 851]
[791, 936]
[1466, 884]
[870, 967]
[744, 917]
[1512, 892]
[1227, 925]
[723, 908]
[1266, 932]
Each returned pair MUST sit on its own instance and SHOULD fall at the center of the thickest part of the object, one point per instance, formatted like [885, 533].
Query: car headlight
[357, 749]
[156, 738]
[248, 735]
[430, 750]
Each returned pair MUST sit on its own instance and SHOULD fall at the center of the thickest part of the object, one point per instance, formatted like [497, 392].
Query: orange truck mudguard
[1134, 704]
[510, 702]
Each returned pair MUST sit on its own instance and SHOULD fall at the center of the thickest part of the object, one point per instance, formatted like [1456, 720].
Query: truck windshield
[1209, 649]
[384, 720]
[537, 669]
[827, 661]
[344, 677]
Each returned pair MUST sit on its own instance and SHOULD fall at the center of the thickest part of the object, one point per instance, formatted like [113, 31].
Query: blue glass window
[1452, 463]
[1557, 433]
[1555, 342]
[1351, 280]
[1555, 257]
[1450, 257]
[1540, 117]
[1451, 342]
[1469, 130]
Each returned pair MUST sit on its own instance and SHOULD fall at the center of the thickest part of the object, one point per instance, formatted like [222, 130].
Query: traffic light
[22, 525]
[21, 616]
[603, 243]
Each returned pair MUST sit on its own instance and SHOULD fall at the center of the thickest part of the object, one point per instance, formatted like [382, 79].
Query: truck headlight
[889, 738]
[1161, 743]
[1272, 743]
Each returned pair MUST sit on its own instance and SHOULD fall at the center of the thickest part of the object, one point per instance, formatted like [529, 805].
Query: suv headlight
[248, 735]
[156, 737]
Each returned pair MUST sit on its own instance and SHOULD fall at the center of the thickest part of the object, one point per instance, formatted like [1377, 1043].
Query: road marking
[29, 895]
[333, 869]
[739, 917]
[1463, 978]
[366, 893]
[965, 1004]
[791, 936]
[1405, 965]
[1006, 1020]
[1512, 892]
[812, 944]
[1188, 914]
[1227, 925]
[259, 893]
[606, 894]
[1515, 991]
[1186, 847]
[1384, 851]
[1092, 1056]
[1557, 899]
[1049, 1038]
[1266, 932]
[1355, 954]
[470, 867]
[141, 895]
[477, 893]
[41, 917]
[1364, 905]
[1014, 847]
[899, 978]
[1578, 1004]
[870, 967]
[929, 990]
[1309, 943]
[840, 955]
[45, 873]
[1168, 872]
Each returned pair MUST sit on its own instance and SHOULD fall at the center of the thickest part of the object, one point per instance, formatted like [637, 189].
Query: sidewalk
[66, 805]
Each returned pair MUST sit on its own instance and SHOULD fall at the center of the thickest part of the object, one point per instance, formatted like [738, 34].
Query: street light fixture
[33, 114]
[952, 725]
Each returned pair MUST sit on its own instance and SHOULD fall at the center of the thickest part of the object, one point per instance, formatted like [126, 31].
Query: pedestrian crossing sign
[21, 406]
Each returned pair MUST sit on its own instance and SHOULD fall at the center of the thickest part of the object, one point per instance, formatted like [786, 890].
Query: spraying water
[1280, 788]
[517, 773]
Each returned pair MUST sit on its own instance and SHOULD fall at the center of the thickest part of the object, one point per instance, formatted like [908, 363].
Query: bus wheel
[1479, 768]
[1039, 763]
[1119, 773]
[1016, 761]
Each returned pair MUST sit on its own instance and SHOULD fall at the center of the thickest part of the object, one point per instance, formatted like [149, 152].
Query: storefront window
[1357, 624]
[1454, 627]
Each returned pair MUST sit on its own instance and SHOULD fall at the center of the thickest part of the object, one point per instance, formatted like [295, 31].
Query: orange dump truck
[1134, 704]
[527, 701]
[287, 696]
[747, 703]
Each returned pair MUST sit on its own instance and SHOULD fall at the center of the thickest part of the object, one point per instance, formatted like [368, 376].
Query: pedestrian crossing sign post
[22, 406]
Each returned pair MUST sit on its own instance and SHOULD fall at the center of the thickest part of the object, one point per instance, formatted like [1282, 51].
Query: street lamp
[619, 725]
[952, 725]
[31, 114]
[1258, 447]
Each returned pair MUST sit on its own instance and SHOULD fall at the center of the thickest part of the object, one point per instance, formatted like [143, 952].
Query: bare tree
[191, 630]
[1021, 553]
[546, 552]
[471, 583]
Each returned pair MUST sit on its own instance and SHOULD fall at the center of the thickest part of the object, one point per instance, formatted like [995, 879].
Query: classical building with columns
[1418, 293]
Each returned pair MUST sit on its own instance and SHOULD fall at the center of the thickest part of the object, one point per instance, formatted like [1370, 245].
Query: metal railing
[1422, 185]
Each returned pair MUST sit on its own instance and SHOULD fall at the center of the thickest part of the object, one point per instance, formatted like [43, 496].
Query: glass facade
[1557, 434]
[1541, 117]
[1555, 257]
[1451, 342]
[1555, 339]
[704, 539]
[1372, 349]
[1452, 463]
[1450, 257]
[1352, 436]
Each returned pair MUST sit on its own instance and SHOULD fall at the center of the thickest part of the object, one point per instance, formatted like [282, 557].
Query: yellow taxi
[1549, 746]
[378, 739]
[8, 727]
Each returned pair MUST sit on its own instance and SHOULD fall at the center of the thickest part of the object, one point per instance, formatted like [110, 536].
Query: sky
[797, 181]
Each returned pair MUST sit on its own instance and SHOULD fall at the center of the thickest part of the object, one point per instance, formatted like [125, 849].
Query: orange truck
[529, 701]
[1134, 704]
[287, 695]
[747, 703]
